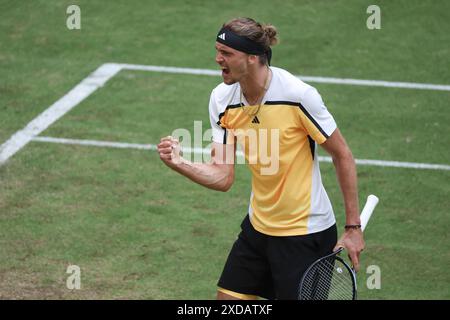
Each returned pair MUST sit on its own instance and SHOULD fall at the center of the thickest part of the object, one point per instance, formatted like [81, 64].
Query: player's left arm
[345, 166]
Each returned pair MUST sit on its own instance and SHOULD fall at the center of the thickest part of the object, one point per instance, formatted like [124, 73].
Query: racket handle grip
[367, 211]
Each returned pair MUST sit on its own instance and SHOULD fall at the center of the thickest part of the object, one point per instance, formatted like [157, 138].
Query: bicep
[336, 145]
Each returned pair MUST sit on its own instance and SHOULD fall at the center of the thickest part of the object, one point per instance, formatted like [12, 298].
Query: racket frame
[336, 256]
[366, 213]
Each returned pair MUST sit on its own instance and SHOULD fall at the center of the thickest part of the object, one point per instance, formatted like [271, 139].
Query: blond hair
[264, 34]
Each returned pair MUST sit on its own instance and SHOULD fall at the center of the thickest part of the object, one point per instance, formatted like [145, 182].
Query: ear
[252, 59]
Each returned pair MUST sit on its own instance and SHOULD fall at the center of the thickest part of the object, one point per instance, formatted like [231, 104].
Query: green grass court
[140, 231]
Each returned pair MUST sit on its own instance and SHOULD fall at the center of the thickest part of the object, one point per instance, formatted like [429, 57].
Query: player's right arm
[218, 174]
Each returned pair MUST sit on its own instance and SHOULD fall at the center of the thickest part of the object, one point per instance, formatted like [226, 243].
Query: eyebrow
[223, 50]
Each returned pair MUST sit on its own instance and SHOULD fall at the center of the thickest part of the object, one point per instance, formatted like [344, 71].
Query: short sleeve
[219, 134]
[317, 121]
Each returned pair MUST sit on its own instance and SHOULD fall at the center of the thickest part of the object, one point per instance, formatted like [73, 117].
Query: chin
[229, 81]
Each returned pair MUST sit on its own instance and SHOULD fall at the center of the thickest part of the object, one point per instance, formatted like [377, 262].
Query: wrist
[353, 219]
[179, 164]
[352, 226]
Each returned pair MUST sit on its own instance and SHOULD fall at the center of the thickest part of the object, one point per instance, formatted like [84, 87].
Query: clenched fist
[169, 150]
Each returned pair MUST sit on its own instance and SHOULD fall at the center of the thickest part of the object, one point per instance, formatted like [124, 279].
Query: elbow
[226, 188]
[349, 156]
[344, 156]
[225, 179]
[226, 184]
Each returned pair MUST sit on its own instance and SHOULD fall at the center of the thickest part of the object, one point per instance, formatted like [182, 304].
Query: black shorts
[271, 267]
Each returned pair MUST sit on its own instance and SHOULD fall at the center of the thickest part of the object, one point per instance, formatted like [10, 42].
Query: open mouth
[225, 71]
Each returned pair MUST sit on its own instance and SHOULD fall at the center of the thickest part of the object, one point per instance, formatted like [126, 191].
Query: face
[234, 63]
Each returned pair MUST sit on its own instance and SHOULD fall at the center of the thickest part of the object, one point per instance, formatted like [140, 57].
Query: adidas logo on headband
[242, 43]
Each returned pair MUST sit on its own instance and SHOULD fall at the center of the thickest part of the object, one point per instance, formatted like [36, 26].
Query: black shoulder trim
[289, 103]
[231, 106]
[310, 117]
[299, 105]
[312, 146]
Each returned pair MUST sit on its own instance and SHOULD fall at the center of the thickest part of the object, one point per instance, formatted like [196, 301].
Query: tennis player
[279, 121]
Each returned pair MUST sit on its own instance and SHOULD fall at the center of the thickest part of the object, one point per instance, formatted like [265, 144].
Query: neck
[255, 83]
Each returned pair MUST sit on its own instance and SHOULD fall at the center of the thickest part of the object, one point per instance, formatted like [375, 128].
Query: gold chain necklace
[266, 87]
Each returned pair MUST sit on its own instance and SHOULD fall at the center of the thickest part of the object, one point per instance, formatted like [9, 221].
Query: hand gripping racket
[330, 278]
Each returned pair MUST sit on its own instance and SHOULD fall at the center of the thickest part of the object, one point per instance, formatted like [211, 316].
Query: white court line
[106, 71]
[345, 81]
[57, 110]
[122, 145]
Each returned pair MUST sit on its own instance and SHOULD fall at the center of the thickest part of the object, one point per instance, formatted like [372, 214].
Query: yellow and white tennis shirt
[279, 144]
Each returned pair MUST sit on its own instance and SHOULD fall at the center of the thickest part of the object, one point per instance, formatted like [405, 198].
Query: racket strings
[328, 279]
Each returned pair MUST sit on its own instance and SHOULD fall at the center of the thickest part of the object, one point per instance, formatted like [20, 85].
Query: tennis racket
[330, 277]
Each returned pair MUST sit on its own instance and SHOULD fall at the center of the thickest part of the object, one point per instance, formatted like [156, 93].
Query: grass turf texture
[140, 231]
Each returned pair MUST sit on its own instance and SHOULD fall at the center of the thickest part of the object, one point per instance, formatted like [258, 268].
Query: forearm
[352, 239]
[347, 178]
[217, 175]
[210, 175]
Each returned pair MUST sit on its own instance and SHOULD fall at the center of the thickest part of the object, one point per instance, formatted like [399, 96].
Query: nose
[219, 57]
